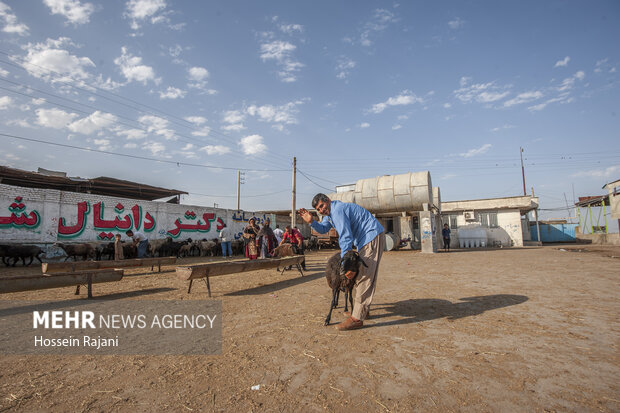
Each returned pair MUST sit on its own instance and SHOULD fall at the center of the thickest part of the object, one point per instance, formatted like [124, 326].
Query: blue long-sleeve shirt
[355, 225]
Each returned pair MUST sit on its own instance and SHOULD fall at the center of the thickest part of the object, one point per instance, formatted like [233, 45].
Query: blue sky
[353, 89]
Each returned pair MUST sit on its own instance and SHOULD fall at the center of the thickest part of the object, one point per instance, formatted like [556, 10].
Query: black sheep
[337, 281]
[18, 252]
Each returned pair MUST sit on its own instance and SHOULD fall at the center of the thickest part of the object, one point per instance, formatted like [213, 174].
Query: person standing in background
[226, 241]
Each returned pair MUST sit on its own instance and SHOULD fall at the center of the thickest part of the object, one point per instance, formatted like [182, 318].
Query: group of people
[261, 242]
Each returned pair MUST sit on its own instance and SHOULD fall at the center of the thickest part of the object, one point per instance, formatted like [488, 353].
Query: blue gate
[554, 232]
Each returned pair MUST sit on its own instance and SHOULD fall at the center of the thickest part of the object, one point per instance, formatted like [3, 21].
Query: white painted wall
[509, 231]
[51, 205]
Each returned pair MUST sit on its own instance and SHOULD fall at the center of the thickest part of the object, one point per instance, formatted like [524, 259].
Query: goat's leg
[335, 304]
[329, 315]
[346, 300]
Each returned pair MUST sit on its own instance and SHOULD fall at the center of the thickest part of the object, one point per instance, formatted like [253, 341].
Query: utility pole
[239, 182]
[294, 211]
[536, 218]
[523, 171]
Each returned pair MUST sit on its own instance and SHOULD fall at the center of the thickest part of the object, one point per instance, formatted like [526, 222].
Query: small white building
[505, 220]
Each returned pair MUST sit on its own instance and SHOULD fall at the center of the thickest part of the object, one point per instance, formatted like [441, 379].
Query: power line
[178, 163]
[319, 185]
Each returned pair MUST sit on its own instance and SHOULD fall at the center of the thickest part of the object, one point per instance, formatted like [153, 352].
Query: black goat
[337, 281]
[18, 252]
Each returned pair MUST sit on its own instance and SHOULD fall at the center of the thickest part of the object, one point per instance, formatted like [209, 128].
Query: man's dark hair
[130, 233]
[318, 198]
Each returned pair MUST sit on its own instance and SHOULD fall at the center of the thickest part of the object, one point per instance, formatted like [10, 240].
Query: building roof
[592, 201]
[101, 186]
[523, 203]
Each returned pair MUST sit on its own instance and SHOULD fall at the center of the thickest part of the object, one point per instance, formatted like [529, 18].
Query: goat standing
[337, 280]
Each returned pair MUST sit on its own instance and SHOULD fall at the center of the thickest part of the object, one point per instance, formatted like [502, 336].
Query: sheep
[207, 247]
[237, 247]
[185, 250]
[108, 250]
[157, 246]
[73, 250]
[18, 252]
[336, 280]
[129, 250]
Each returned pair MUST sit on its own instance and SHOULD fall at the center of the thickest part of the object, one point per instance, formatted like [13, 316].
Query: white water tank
[391, 193]
[472, 236]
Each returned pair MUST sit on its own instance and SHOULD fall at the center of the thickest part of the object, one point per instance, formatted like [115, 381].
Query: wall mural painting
[198, 226]
[131, 220]
[18, 218]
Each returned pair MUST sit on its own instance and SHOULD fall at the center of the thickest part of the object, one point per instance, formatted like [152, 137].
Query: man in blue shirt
[356, 228]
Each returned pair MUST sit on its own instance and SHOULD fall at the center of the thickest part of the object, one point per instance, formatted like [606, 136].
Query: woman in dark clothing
[267, 241]
[250, 234]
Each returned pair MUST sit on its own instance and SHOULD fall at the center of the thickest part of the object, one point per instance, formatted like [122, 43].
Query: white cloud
[188, 147]
[447, 105]
[155, 148]
[141, 10]
[54, 118]
[102, 144]
[253, 145]
[92, 123]
[344, 67]
[196, 120]
[569, 82]
[608, 172]
[172, 93]
[38, 101]
[236, 127]
[563, 98]
[130, 146]
[158, 126]
[397, 127]
[457, 23]
[11, 25]
[282, 52]
[215, 149]
[5, 102]
[75, 12]
[405, 98]
[563, 62]
[497, 129]
[479, 151]
[479, 92]
[233, 116]
[204, 131]
[364, 125]
[380, 21]
[131, 134]
[23, 123]
[198, 77]
[525, 97]
[291, 28]
[282, 115]
[132, 68]
[49, 62]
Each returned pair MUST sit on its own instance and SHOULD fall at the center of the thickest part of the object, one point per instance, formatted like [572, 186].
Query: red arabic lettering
[83, 210]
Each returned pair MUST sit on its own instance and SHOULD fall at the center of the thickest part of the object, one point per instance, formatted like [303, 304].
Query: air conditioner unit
[469, 216]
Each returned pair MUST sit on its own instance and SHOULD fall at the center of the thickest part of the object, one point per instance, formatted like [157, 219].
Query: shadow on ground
[58, 305]
[269, 288]
[425, 309]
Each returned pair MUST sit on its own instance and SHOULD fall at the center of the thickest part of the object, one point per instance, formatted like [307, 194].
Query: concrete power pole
[294, 210]
[522, 171]
[238, 188]
[536, 218]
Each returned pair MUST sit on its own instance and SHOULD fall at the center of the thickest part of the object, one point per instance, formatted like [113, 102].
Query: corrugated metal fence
[554, 232]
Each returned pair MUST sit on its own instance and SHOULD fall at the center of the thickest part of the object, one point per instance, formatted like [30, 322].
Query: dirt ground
[523, 329]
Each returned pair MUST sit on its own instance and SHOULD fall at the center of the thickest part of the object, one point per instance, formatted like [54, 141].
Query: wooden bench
[197, 271]
[11, 284]
[75, 266]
